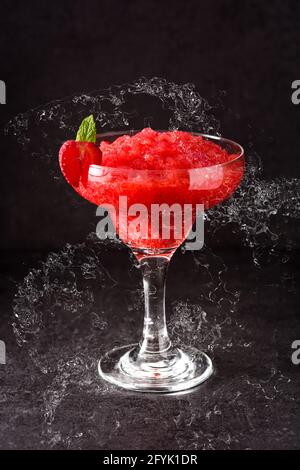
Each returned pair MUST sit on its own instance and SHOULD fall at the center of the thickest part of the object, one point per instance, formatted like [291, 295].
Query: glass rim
[240, 154]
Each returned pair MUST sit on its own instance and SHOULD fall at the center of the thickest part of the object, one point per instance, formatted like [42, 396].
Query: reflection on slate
[84, 299]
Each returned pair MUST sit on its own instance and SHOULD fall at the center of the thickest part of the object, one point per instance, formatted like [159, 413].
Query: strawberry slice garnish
[69, 162]
[75, 157]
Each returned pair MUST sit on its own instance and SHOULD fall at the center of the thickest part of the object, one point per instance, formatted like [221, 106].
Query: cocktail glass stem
[155, 340]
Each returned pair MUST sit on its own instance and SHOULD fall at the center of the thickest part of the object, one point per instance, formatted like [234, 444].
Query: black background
[249, 49]
[242, 53]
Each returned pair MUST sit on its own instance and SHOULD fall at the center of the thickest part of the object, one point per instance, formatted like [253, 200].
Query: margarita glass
[154, 364]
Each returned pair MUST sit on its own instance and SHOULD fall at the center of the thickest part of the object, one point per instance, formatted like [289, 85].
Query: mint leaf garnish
[87, 130]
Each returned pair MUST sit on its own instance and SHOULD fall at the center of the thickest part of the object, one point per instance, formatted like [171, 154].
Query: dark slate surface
[51, 396]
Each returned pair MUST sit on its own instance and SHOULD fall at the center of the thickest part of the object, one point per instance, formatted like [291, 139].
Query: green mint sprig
[87, 130]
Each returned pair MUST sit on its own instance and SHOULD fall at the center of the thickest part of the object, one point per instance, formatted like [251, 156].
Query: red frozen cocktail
[146, 180]
[159, 169]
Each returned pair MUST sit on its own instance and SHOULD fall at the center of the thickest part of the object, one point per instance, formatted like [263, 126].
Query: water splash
[94, 309]
[117, 107]
[251, 212]
[65, 296]
[262, 212]
[67, 311]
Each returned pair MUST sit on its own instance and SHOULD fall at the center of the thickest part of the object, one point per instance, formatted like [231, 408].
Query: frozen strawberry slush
[152, 150]
[151, 167]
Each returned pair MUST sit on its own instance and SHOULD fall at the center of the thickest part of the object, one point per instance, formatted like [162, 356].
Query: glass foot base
[172, 371]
